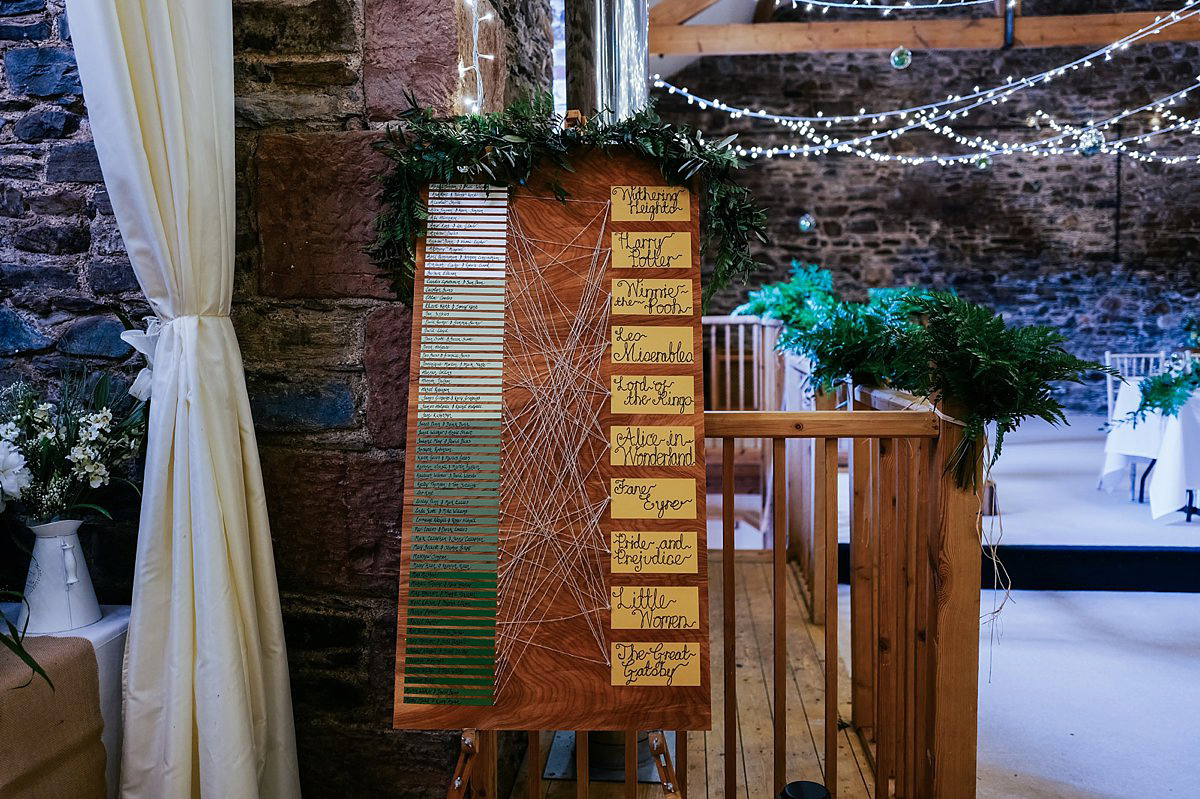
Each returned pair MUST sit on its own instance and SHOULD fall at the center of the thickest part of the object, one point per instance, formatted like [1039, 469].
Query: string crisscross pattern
[554, 564]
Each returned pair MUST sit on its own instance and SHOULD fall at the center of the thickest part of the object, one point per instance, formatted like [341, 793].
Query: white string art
[553, 566]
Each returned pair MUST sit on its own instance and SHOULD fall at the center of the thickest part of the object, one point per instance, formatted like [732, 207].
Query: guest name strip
[449, 655]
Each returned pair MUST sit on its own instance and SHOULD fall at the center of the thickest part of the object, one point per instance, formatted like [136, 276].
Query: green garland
[1191, 332]
[505, 148]
[1167, 393]
[846, 339]
[931, 344]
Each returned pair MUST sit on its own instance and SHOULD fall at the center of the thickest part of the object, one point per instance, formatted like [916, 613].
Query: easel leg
[466, 762]
[485, 779]
[662, 761]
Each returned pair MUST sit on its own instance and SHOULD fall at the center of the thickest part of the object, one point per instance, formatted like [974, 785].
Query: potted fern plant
[934, 345]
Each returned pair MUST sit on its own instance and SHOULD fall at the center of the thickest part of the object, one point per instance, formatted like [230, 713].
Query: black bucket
[804, 790]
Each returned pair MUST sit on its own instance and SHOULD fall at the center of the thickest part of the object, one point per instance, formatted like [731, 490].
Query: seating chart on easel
[554, 559]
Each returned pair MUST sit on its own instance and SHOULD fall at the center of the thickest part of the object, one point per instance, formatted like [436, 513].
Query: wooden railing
[741, 368]
[915, 561]
[915, 564]
[807, 505]
[744, 372]
[914, 604]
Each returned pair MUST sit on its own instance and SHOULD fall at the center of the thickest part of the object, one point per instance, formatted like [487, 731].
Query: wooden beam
[1071, 30]
[677, 12]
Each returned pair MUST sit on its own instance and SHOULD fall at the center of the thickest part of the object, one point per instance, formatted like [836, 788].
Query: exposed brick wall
[1103, 248]
[325, 346]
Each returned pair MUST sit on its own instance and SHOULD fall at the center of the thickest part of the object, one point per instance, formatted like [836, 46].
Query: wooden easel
[475, 773]
[481, 783]
[469, 775]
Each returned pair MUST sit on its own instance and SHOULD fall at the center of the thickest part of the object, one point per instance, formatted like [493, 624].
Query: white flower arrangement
[53, 455]
[15, 476]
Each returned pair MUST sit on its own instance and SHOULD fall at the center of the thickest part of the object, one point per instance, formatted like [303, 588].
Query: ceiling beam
[677, 12]
[926, 34]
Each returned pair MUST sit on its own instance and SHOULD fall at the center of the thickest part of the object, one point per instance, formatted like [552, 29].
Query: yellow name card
[653, 497]
[651, 204]
[655, 607]
[647, 344]
[633, 445]
[638, 552]
[667, 394]
[647, 297]
[640, 250]
[655, 664]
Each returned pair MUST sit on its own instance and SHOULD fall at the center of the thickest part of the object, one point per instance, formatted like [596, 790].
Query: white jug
[58, 591]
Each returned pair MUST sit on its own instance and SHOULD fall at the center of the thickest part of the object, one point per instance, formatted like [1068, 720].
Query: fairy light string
[1191, 8]
[1042, 147]
[861, 145]
[934, 116]
[475, 104]
[882, 9]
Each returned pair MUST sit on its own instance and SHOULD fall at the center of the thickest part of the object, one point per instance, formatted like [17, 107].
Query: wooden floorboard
[805, 698]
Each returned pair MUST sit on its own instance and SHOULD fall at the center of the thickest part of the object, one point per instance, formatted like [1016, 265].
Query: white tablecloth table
[1172, 441]
[108, 639]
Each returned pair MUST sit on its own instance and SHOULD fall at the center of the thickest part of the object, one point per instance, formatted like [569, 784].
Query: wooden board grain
[553, 580]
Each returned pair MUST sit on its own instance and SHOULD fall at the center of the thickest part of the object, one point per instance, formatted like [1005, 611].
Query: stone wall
[1103, 248]
[66, 287]
[324, 343]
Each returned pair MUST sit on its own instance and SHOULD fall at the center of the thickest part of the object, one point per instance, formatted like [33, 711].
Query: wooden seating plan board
[554, 561]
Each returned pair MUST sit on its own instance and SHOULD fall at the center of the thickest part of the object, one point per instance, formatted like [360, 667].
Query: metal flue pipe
[607, 56]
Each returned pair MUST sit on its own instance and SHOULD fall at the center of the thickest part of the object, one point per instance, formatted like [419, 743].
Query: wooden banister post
[955, 558]
[815, 573]
[799, 453]
[862, 565]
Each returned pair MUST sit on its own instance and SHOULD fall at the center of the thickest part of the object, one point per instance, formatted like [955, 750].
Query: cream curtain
[207, 707]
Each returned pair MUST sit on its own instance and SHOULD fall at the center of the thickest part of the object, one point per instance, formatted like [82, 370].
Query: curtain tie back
[145, 341]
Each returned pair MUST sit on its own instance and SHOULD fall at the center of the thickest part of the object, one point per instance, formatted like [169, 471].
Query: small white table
[108, 640]
[1172, 441]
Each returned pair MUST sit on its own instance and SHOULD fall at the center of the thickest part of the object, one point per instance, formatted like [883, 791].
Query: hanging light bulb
[901, 58]
[983, 162]
[807, 223]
